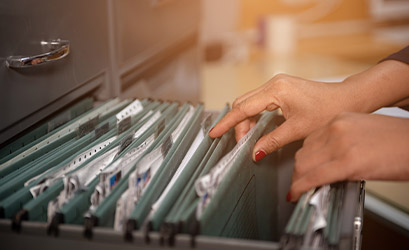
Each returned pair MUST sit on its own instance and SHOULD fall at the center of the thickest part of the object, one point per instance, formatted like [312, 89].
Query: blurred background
[247, 42]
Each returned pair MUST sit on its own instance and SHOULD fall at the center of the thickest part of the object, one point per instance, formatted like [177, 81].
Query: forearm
[385, 84]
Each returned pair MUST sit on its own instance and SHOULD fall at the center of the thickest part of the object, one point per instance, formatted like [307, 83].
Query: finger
[305, 162]
[247, 95]
[241, 129]
[313, 152]
[312, 146]
[316, 136]
[245, 109]
[324, 174]
[253, 123]
[287, 132]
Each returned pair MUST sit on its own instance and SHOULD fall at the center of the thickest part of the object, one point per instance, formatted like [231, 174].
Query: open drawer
[244, 208]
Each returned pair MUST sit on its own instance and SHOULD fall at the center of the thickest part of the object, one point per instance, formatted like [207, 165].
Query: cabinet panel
[23, 25]
[147, 25]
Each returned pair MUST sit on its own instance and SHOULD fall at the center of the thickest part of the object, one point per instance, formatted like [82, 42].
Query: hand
[306, 106]
[309, 105]
[353, 147]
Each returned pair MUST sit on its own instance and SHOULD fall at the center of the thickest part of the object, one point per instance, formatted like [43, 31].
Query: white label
[51, 178]
[130, 110]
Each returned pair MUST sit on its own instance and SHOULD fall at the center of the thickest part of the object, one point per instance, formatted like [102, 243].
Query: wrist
[382, 85]
[398, 149]
[350, 97]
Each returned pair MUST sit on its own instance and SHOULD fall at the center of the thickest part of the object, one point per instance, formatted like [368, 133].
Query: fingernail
[259, 155]
[211, 130]
[288, 196]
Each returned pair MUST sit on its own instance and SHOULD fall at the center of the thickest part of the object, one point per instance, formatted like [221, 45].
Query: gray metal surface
[33, 236]
[387, 212]
[23, 25]
[147, 38]
[145, 26]
[60, 103]
[178, 79]
[350, 209]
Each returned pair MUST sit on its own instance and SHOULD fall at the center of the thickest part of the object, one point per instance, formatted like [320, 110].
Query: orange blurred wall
[253, 10]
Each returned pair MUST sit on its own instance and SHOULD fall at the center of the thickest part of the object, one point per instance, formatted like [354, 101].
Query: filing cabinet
[155, 39]
[31, 92]
[103, 48]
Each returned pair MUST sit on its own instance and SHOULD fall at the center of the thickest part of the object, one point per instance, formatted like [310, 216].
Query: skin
[312, 109]
[353, 146]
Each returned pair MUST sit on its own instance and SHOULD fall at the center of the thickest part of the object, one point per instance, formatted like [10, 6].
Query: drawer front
[175, 79]
[23, 25]
[148, 25]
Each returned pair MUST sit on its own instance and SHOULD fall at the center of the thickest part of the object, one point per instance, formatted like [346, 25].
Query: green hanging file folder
[228, 198]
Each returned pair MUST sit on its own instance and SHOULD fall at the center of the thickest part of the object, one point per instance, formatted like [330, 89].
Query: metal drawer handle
[58, 50]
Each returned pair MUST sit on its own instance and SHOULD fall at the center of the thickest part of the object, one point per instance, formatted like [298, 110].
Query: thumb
[287, 132]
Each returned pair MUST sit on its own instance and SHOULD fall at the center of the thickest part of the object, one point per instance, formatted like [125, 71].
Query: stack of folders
[149, 165]
[323, 217]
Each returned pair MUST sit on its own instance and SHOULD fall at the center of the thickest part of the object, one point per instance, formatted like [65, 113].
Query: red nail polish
[259, 155]
[288, 196]
[211, 130]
